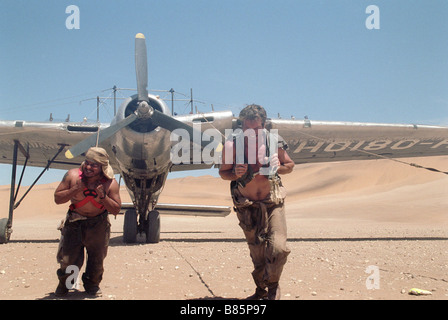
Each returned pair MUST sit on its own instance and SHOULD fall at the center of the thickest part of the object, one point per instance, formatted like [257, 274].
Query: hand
[78, 187]
[100, 191]
[274, 165]
[274, 162]
[240, 170]
[262, 159]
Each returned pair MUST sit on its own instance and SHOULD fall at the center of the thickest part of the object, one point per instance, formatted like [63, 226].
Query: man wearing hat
[93, 193]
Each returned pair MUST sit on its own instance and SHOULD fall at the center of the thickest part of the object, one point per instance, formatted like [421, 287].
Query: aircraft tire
[130, 226]
[153, 227]
[5, 232]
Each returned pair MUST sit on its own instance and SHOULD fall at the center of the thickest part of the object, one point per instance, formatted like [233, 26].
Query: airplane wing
[318, 141]
[308, 141]
[41, 141]
[326, 141]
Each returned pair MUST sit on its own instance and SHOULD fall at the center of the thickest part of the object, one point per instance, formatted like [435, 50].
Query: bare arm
[111, 201]
[66, 189]
[286, 165]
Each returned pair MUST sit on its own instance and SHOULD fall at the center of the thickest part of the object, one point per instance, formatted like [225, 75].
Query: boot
[260, 294]
[61, 289]
[274, 293]
[91, 288]
[93, 291]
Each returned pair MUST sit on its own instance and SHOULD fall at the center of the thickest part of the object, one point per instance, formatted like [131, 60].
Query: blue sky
[294, 57]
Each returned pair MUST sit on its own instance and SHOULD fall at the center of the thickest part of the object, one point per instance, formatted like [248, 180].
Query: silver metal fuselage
[142, 153]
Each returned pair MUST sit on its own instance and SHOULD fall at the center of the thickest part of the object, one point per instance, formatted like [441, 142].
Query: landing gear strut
[6, 223]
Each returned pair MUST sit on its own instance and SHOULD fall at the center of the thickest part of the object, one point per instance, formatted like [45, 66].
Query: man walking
[259, 198]
[93, 193]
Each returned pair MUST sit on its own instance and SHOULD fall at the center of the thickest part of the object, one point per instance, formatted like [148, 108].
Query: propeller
[144, 110]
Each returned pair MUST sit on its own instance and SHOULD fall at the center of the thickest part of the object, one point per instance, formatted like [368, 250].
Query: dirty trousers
[91, 234]
[264, 225]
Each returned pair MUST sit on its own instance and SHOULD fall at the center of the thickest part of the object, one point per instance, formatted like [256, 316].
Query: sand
[347, 221]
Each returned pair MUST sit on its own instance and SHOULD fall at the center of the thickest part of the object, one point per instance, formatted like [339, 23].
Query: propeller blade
[91, 141]
[141, 67]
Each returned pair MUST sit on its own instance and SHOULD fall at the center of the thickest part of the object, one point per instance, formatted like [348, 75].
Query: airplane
[138, 141]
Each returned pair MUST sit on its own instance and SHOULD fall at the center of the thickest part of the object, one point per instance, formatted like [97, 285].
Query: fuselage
[142, 152]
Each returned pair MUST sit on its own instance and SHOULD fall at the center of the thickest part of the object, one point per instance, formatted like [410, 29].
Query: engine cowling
[142, 148]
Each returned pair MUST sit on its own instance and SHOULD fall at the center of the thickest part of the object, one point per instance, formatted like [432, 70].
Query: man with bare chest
[93, 193]
[258, 196]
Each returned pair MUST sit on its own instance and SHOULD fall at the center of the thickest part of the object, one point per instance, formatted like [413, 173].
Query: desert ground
[347, 221]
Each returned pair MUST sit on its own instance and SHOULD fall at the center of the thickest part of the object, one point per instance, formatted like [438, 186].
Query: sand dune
[339, 185]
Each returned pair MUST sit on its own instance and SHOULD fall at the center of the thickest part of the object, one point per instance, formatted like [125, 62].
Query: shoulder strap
[90, 196]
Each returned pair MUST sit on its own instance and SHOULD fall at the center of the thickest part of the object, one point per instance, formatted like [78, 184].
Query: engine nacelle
[142, 149]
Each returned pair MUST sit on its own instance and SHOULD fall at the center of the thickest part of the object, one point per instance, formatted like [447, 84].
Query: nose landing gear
[150, 225]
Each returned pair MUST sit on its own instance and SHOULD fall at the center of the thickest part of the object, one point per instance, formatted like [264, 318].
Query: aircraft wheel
[5, 231]
[153, 227]
[130, 226]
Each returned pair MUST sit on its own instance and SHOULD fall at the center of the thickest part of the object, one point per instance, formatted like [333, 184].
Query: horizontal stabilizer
[186, 209]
